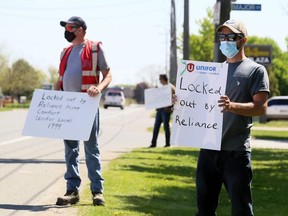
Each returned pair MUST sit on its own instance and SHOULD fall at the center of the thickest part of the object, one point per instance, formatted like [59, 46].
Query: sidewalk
[272, 144]
[122, 134]
[270, 128]
[276, 144]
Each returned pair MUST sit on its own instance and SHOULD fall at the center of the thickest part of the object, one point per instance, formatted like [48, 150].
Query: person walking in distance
[162, 115]
[79, 70]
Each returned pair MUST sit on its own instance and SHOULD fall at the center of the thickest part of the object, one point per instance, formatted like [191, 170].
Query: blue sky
[135, 33]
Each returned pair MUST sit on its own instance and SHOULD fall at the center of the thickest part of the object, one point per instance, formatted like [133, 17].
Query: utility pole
[186, 44]
[225, 8]
[173, 46]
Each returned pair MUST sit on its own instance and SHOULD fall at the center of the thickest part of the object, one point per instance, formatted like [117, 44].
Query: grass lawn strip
[161, 181]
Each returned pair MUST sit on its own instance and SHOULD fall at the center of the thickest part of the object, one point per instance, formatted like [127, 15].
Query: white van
[114, 98]
[277, 109]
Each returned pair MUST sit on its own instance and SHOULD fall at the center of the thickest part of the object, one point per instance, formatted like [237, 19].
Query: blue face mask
[229, 48]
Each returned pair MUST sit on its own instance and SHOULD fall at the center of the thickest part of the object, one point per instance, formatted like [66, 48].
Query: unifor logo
[206, 68]
[190, 67]
[187, 67]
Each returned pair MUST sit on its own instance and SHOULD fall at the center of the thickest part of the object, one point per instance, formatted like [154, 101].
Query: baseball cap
[75, 20]
[235, 26]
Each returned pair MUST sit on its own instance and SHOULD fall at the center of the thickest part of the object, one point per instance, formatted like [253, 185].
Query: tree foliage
[4, 69]
[150, 74]
[278, 72]
[3, 63]
[201, 45]
[20, 79]
[53, 72]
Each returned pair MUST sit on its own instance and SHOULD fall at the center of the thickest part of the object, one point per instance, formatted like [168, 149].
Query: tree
[278, 73]
[150, 74]
[3, 69]
[53, 72]
[202, 45]
[3, 64]
[21, 79]
[280, 67]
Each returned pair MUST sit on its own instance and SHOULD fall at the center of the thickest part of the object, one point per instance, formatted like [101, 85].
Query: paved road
[32, 169]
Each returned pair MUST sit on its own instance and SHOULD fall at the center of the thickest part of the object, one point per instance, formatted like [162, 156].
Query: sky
[135, 33]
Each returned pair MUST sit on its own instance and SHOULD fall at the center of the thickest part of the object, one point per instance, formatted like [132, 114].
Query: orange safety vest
[90, 71]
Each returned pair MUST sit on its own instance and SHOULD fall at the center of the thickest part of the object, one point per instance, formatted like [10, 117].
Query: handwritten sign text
[58, 114]
[197, 119]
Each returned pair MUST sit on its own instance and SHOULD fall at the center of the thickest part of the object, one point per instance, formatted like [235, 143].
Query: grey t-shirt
[245, 79]
[72, 79]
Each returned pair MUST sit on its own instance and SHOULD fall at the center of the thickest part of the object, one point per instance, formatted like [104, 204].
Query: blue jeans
[233, 169]
[93, 162]
[161, 116]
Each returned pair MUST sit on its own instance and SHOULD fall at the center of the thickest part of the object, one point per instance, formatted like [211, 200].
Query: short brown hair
[164, 77]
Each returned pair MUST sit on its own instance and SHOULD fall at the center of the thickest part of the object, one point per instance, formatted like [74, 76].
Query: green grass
[274, 135]
[259, 134]
[279, 134]
[2, 109]
[161, 181]
[272, 124]
[11, 106]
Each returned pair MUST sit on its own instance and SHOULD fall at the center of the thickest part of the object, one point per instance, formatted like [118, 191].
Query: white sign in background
[60, 114]
[197, 119]
[158, 97]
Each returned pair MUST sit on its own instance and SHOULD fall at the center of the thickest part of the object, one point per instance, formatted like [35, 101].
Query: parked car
[277, 109]
[114, 98]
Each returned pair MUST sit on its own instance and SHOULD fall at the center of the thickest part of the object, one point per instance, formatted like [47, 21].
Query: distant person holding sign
[246, 95]
[162, 116]
[80, 67]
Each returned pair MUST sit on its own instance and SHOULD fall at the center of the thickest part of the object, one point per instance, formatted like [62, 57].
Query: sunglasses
[70, 28]
[229, 37]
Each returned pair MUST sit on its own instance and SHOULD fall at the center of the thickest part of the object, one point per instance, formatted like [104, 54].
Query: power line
[94, 17]
[26, 11]
[118, 4]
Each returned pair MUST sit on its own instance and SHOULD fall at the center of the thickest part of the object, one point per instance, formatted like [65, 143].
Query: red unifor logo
[190, 67]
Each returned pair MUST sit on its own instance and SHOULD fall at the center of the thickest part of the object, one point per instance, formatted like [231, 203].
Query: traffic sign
[246, 7]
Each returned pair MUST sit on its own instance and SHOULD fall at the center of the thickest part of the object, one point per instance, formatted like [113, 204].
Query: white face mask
[229, 48]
